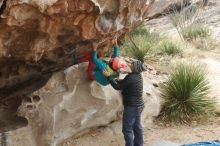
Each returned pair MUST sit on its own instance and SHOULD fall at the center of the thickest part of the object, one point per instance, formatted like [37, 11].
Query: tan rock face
[68, 104]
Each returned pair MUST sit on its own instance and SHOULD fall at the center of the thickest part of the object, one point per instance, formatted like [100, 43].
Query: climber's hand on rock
[115, 42]
[94, 46]
[106, 73]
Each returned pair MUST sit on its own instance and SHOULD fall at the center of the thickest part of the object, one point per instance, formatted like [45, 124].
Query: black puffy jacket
[132, 89]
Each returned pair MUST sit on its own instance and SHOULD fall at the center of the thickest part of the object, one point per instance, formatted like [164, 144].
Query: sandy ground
[182, 134]
[179, 134]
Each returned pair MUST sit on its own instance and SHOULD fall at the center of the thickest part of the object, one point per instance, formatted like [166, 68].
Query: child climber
[96, 66]
[114, 65]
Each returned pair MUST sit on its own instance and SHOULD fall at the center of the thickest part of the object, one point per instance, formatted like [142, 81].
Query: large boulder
[70, 103]
[41, 37]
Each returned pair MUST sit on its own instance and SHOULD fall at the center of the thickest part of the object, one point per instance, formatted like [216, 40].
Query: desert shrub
[140, 42]
[170, 48]
[188, 23]
[140, 30]
[137, 47]
[195, 31]
[185, 94]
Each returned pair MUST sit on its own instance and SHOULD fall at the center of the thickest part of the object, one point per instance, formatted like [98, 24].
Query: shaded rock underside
[41, 37]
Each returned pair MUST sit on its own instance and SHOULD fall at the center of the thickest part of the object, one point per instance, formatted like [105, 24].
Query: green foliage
[140, 30]
[140, 43]
[169, 48]
[137, 47]
[188, 24]
[195, 31]
[185, 95]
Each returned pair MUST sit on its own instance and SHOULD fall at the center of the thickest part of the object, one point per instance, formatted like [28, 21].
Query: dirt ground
[184, 134]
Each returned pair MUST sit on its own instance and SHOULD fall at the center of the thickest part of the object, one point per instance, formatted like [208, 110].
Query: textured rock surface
[70, 103]
[40, 37]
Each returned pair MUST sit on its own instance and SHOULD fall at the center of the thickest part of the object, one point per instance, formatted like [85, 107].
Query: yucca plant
[137, 47]
[140, 43]
[169, 48]
[185, 94]
[140, 30]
